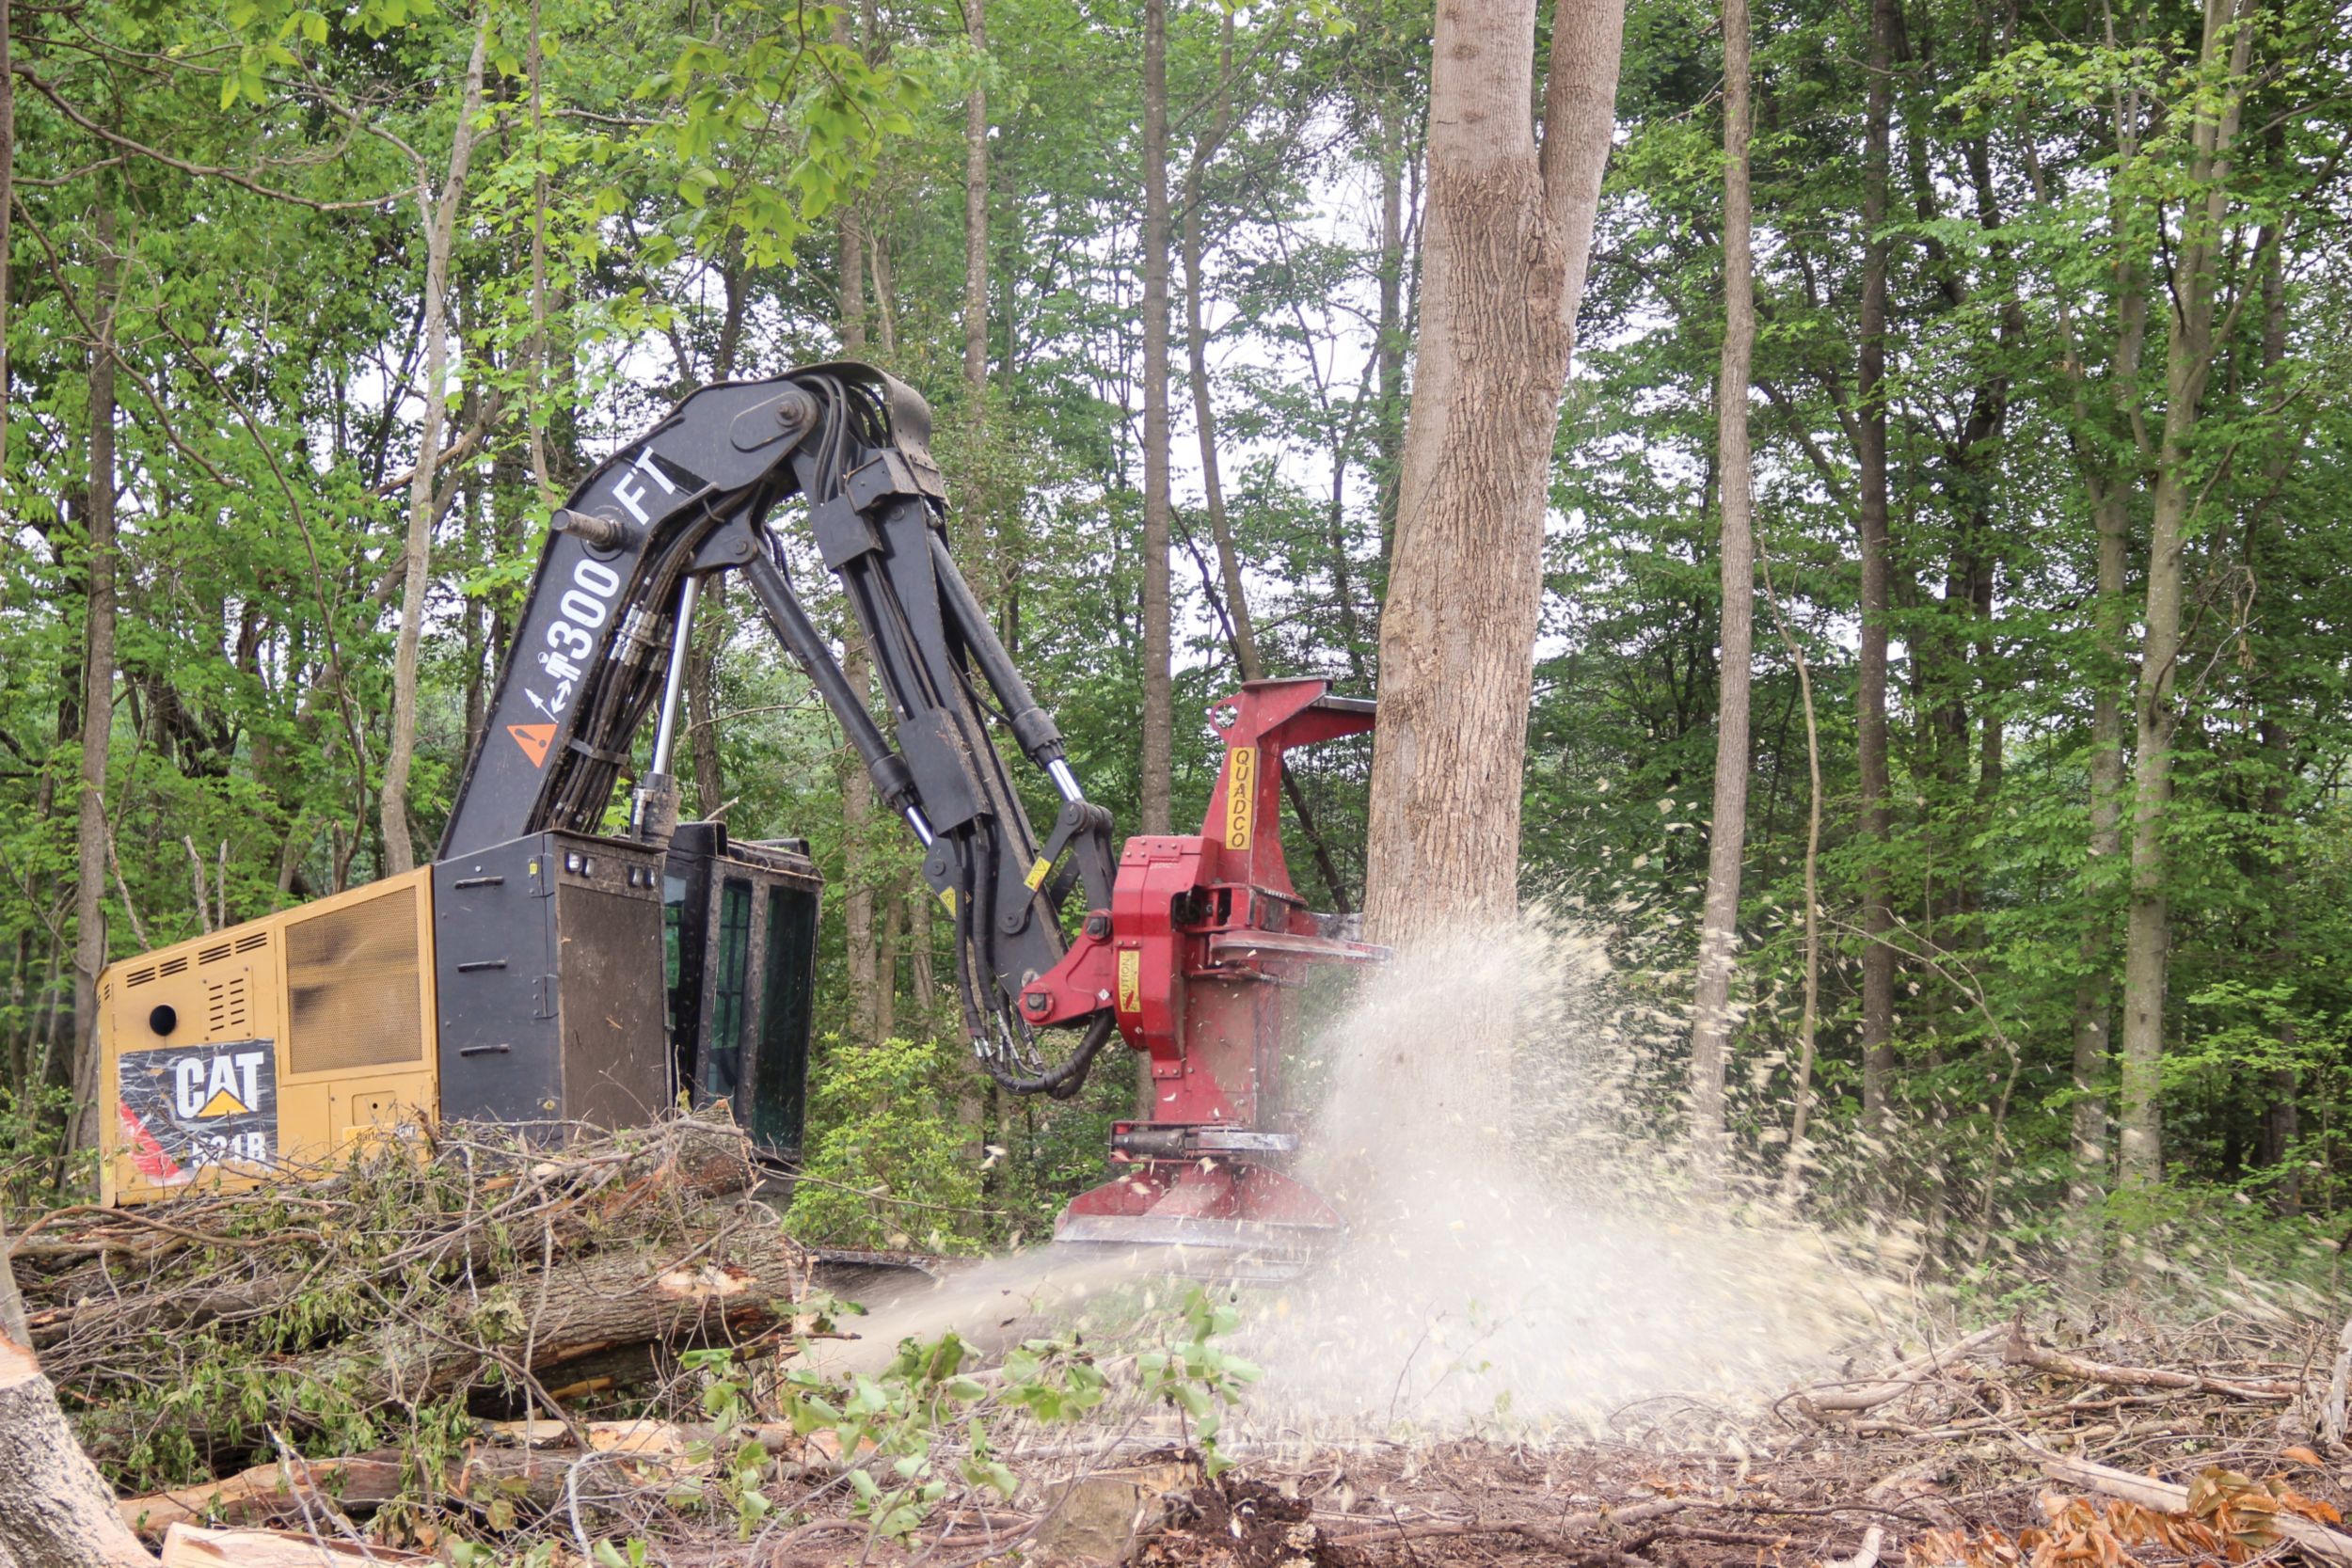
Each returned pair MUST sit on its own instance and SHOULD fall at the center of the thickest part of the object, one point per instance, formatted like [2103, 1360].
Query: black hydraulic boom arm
[603, 642]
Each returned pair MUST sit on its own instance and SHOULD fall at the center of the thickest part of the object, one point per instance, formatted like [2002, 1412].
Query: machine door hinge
[542, 875]
[543, 1000]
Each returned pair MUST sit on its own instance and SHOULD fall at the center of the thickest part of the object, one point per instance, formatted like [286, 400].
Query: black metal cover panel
[616, 1052]
[548, 965]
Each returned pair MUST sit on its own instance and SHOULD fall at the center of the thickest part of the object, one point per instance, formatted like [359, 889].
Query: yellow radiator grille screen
[351, 987]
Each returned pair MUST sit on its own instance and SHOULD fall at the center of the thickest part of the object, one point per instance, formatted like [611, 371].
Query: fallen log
[2022, 1350]
[529, 1473]
[2314, 1541]
[1558, 1534]
[576, 1309]
[188, 1547]
[1898, 1380]
[267, 1494]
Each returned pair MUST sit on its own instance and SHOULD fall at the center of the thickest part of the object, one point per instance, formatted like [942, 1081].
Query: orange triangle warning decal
[222, 1103]
[534, 739]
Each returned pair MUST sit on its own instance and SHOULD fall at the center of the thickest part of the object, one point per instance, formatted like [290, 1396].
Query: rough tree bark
[441, 221]
[1878, 953]
[97, 685]
[2189, 350]
[1159, 709]
[55, 1509]
[1508, 228]
[1719, 935]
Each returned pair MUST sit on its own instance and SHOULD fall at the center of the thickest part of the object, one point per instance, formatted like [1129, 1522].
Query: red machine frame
[1201, 955]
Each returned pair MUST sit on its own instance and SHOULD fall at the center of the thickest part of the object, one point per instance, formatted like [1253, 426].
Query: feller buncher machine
[546, 973]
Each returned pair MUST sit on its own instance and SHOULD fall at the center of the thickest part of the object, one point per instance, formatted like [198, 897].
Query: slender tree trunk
[440, 222]
[1159, 722]
[2282, 1117]
[2094, 991]
[545, 482]
[857, 786]
[8, 212]
[1800, 1114]
[1508, 229]
[886, 986]
[1719, 935]
[2281, 1124]
[922, 977]
[702, 709]
[2108, 493]
[866, 974]
[975, 222]
[91, 840]
[2189, 363]
[1387, 424]
[711, 633]
[1878, 953]
[1245, 634]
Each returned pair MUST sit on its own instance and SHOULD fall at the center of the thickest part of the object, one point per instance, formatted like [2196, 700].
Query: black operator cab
[739, 961]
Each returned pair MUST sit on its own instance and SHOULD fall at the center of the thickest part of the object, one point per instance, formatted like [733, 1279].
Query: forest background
[2048, 404]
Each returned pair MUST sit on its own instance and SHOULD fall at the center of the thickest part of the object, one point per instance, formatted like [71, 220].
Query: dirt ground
[1956, 1468]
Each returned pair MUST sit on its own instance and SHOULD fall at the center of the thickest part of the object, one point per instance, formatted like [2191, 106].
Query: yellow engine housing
[268, 1045]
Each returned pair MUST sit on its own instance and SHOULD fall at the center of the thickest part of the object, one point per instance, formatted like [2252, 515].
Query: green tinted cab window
[723, 1061]
[780, 1080]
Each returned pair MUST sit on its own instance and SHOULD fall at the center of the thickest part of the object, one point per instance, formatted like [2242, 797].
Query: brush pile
[2123, 1445]
[388, 1305]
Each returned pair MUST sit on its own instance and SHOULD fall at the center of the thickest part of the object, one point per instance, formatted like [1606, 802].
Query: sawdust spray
[1559, 1274]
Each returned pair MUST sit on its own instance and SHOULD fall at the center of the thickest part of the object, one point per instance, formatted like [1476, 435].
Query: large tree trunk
[1159, 711]
[98, 683]
[1877, 919]
[1718, 932]
[440, 222]
[2189, 363]
[55, 1509]
[1508, 229]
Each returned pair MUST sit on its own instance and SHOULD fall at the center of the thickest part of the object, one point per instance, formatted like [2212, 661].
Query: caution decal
[1130, 980]
[183, 1108]
[534, 739]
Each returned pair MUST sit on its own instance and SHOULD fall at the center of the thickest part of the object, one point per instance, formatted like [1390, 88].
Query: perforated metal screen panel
[351, 987]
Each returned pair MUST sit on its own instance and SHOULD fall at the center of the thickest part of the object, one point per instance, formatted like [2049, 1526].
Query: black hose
[1063, 1082]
